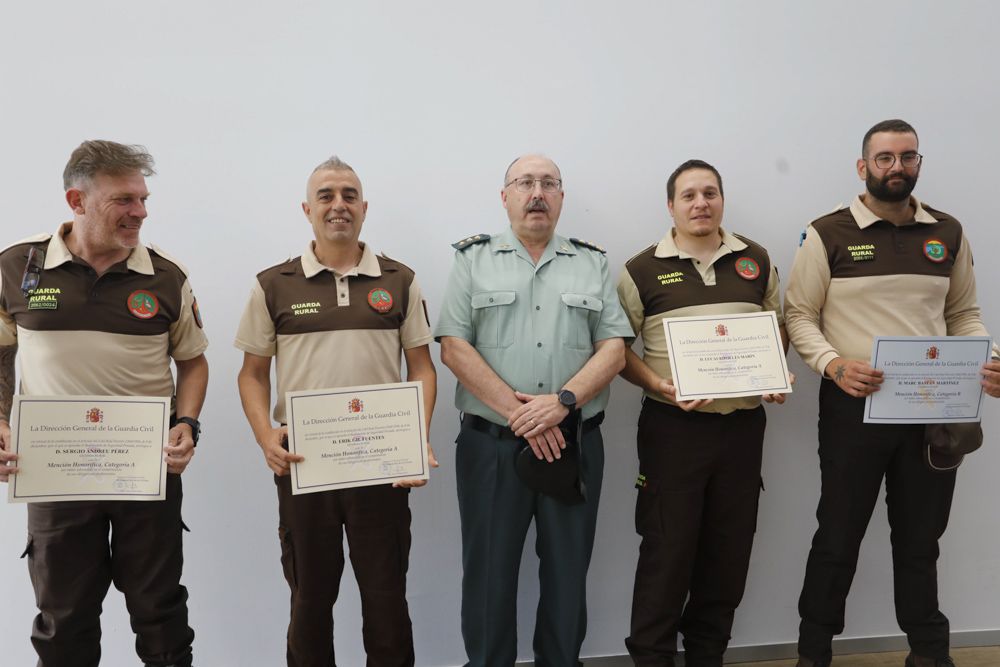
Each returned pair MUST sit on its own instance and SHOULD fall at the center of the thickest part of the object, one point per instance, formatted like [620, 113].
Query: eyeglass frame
[900, 157]
[524, 179]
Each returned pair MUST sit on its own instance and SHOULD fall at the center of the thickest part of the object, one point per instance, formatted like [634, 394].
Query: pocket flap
[582, 301]
[487, 299]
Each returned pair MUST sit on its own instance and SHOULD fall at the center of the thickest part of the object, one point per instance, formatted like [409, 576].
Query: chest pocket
[583, 314]
[493, 319]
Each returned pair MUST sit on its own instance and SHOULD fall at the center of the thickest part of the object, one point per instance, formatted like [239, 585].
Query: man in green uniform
[532, 329]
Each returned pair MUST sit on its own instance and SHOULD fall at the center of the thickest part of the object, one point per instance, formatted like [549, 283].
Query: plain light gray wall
[429, 102]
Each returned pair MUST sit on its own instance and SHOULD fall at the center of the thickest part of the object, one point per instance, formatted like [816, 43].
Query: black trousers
[854, 458]
[311, 529]
[72, 564]
[697, 516]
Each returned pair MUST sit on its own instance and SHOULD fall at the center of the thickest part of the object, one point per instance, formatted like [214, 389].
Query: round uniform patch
[935, 250]
[143, 304]
[196, 313]
[747, 268]
[380, 299]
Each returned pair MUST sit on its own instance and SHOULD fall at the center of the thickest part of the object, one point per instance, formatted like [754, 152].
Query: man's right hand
[668, 391]
[548, 445]
[279, 459]
[5, 455]
[855, 378]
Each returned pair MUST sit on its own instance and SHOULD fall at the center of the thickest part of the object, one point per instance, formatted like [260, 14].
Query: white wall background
[430, 101]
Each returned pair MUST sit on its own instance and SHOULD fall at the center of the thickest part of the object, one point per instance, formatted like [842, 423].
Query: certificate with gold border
[726, 356]
[357, 436]
[89, 448]
[928, 379]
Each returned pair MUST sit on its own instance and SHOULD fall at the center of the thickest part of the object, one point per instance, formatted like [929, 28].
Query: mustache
[537, 205]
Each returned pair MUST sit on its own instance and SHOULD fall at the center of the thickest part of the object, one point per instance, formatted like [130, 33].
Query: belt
[477, 423]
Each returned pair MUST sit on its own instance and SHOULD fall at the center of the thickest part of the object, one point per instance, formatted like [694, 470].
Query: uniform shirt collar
[58, 253]
[864, 217]
[368, 266]
[507, 241]
[668, 248]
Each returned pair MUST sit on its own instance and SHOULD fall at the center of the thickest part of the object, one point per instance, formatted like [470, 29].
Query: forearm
[192, 383]
[477, 376]
[255, 395]
[639, 373]
[423, 371]
[607, 361]
[7, 379]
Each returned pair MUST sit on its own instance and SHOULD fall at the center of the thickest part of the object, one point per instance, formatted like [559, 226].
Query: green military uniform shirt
[535, 325]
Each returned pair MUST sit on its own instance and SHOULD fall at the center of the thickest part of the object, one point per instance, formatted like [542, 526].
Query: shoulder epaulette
[159, 251]
[471, 240]
[588, 244]
[391, 261]
[836, 209]
[37, 238]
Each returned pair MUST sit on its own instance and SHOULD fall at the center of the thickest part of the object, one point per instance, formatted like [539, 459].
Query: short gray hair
[333, 163]
[97, 156]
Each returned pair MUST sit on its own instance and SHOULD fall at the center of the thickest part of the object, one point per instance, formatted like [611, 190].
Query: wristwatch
[567, 399]
[195, 427]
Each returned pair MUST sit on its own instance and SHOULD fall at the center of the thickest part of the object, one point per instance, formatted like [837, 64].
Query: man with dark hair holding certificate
[699, 460]
[887, 265]
[93, 312]
[338, 316]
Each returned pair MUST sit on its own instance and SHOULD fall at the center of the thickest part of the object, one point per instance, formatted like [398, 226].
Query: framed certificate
[89, 448]
[726, 356]
[357, 436]
[928, 379]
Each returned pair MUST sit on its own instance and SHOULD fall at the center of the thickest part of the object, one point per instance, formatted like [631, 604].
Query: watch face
[567, 398]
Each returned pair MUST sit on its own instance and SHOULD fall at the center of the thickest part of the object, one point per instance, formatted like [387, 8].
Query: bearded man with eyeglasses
[887, 265]
[532, 328]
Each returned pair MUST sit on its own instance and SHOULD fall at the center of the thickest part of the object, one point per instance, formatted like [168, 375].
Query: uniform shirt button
[539, 345]
[539, 385]
[538, 307]
[585, 302]
[491, 299]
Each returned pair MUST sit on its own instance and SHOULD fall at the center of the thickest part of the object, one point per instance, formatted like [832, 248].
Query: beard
[883, 190]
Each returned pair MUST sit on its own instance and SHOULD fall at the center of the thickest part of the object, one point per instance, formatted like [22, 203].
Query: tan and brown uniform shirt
[857, 276]
[664, 281]
[331, 330]
[113, 335]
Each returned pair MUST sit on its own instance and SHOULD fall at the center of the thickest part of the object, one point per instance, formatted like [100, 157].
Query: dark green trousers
[496, 510]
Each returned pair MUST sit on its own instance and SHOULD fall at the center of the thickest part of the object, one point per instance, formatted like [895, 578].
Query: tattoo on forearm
[7, 354]
[838, 374]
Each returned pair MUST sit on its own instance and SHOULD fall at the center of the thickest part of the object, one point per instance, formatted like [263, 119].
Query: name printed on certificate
[928, 379]
[726, 356]
[89, 448]
[357, 436]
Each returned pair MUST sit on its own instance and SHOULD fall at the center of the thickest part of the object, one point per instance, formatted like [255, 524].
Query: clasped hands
[537, 420]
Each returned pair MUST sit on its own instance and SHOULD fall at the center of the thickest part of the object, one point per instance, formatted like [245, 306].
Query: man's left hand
[414, 483]
[537, 414]
[179, 449]
[991, 378]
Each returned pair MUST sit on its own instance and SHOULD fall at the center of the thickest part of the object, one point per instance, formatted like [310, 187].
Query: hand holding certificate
[357, 436]
[726, 356]
[928, 380]
[89, 448]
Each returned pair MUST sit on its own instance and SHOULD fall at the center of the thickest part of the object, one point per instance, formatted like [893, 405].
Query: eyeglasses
[527, 184]
[908, 160]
